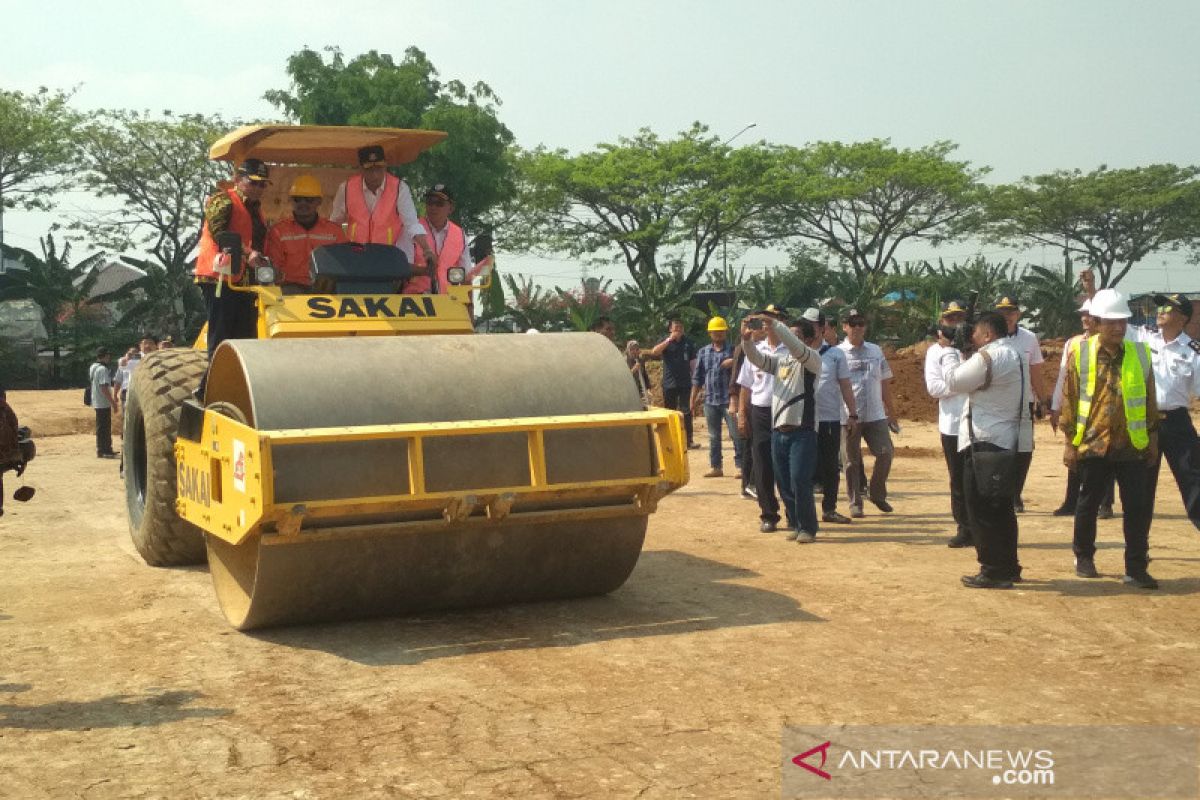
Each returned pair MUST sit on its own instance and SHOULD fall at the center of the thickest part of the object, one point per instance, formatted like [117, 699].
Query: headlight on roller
[456, 275]
[265, 275]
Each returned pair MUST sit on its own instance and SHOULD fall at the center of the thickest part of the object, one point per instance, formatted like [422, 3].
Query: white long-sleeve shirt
[404, 207]
[1000, 417]
[950, 404]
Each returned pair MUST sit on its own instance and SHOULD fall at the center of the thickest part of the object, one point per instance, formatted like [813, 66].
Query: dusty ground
[120, 680]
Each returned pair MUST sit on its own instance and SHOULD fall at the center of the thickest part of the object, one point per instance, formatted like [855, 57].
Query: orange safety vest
[381, 226]
[241, 224]
[447, 257]
[290, 245]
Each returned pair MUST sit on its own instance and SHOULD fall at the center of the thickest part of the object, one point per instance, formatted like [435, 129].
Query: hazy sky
[1022, 87]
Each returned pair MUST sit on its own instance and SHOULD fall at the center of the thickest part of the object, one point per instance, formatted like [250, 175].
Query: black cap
[851, 313]
[953, 307]
[440, 190]
[1006, 302]
[101, 352]
[772, 310]
[1177, 301]
[371, 156]
[254, 169]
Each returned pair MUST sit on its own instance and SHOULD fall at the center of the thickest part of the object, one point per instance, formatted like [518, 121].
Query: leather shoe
[1141, 580]
[1064, 511]
[835, 517]
[767, 527]
[960, 541]
[1085, 568]
[882, 505]
[981, 581]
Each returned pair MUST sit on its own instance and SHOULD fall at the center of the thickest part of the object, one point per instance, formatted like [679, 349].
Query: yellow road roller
[368, 455]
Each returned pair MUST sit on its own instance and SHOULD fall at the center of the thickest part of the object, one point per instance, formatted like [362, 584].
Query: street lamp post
[724, 244]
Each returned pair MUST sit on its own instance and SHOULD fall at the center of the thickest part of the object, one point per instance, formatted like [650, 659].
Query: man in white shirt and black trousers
[995, 417]
[950, 405]
[1025, 341]
[793, 419]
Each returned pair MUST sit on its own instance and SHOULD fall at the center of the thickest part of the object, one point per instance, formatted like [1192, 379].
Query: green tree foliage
[1110, 218]
[1052, 298]
[375, 90]
[586, 303]
[863, 200]
[158, 303]
[158, 171]
[62, 291]
[531, 306]
[644, 202]
[36, 148]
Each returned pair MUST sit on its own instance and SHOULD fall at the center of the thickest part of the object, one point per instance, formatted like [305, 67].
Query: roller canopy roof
[335, 145]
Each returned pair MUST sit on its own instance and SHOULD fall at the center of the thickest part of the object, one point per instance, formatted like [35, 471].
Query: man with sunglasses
[290, 242]
[1175, 359]
[871, 379]
[449, 244]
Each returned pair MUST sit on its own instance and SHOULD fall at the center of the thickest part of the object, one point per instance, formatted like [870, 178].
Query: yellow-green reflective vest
[1133, 389]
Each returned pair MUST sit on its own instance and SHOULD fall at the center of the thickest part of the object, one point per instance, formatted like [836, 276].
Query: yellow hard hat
[717, 324]
[305, 186]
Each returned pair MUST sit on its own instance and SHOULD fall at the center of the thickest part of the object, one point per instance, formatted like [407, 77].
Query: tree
[1052, 297]
[61, 290]
[36, 149]
[644, 201]
[158, 169]
[864, 200]
[1110, 218]
[374, 90]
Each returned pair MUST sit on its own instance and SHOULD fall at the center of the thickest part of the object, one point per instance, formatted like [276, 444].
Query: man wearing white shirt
[835, 397]
[1025, 341]
[995, 417]
[395, 222]
[950, 405]
[871, 379]
[754, 419]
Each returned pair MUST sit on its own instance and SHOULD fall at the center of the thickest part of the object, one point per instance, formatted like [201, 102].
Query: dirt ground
[121, 680]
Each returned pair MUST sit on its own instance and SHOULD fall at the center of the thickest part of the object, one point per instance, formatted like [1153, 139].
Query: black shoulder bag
[996, 470]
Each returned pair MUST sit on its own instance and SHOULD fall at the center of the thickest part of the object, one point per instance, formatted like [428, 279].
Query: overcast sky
[1023, 87]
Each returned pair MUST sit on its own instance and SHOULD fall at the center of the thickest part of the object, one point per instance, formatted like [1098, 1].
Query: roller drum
[320, 383]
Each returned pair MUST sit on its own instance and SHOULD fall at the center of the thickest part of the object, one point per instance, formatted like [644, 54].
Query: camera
[754, 324]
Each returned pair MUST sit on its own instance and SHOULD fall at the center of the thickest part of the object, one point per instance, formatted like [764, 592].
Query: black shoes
[1064, 511]
[106, 455]
[981, 581]
[835, 517]
[882, 505]
[1141, 580]
[960, 541]
[1085, 567]
[768, 527]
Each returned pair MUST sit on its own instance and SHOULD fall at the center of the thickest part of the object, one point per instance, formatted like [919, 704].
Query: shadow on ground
[670, 592]
[117, 711]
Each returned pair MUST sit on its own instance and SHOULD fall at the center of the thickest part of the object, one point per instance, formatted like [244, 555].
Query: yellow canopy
[334, 145]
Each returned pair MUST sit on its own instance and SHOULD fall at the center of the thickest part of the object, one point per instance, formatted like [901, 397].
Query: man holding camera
[754, 419]
[1026, 341]
[952, 325]
[994, 428]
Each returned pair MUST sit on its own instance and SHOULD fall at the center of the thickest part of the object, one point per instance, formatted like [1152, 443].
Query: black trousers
[680, 400]
[1132, 479]
[1177, 441]
[103, 431]
[993, 524]
[828, 472]
[747, 452]
[958, 497]
[1071, 501]
[233, 315]
[764, 472]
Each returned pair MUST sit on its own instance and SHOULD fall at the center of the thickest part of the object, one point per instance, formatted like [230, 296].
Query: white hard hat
[533, 330]
[1087, 306]
[1110, 304]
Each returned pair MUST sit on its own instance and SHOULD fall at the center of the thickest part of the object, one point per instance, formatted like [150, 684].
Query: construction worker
[710, 382]
[449, 244]
[232, 314]
[1110, 419]
[1027, 342]
[290, 242]
[378, 208]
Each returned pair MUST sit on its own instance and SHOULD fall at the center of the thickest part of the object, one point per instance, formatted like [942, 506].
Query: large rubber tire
[160, 385]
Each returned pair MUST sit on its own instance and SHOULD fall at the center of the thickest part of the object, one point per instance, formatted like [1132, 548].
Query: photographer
[994, 428]
[951, 326]
[1025, 341]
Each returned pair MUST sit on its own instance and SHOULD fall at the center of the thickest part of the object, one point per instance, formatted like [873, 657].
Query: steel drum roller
[322, 383]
